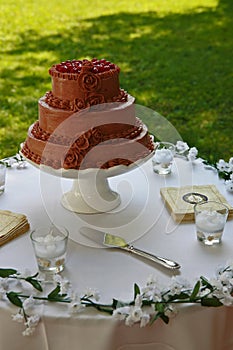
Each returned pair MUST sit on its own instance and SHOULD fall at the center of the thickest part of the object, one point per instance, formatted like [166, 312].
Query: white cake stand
[90, 192]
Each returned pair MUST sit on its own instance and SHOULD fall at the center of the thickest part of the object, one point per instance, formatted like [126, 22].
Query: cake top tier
[69, 68]
[78, 84]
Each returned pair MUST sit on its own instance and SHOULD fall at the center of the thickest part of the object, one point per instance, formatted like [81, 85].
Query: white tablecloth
[141, 218]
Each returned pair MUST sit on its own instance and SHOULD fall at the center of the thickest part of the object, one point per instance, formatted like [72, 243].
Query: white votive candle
[50, 246]
[163, 156]
[210, 221]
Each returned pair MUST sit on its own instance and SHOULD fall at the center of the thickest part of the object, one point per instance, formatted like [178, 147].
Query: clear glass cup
[50, 245]
[210, 220]
[2, 177]
[163, 158]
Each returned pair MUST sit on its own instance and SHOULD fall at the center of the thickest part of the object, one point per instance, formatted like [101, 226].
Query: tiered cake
[87, 120]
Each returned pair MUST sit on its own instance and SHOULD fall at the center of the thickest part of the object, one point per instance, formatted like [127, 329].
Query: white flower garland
[151, 302]
[17, 160]
[224, 169]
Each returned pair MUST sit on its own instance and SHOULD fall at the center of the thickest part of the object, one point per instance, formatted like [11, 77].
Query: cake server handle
[170, 264]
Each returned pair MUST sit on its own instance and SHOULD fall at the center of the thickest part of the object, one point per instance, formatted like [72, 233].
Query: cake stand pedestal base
[91, 194]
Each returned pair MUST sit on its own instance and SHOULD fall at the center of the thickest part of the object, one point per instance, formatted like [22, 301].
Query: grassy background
[175, 58]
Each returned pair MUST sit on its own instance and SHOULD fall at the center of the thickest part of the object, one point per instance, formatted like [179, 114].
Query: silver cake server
[108, 240]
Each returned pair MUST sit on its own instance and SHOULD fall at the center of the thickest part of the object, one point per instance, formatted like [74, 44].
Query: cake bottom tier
[82, 154]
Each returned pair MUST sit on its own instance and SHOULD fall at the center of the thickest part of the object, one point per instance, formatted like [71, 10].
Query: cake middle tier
[109, 117]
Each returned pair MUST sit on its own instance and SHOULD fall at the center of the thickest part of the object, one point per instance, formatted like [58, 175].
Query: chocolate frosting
[68, 135]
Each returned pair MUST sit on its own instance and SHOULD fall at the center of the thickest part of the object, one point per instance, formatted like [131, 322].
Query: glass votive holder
[50, 245]
[163, 158]
[2, 177]
[210, 220]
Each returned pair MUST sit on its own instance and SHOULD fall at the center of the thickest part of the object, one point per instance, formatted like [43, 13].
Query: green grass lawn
[175, 58]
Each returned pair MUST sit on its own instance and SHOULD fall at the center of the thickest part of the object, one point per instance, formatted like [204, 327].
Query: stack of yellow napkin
[181, 210]
[12, 225]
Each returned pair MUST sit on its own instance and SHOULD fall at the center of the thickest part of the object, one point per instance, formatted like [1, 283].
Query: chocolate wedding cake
[87, 120]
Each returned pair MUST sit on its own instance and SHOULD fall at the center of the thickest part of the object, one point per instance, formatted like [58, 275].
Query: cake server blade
[108, 240]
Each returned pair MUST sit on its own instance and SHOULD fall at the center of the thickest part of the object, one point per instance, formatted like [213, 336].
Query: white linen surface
[141, 218]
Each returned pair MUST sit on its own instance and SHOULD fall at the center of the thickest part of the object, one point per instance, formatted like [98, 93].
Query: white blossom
[28, 303]
[182, 146]
[231, 163]
[121, 312]
[22, 165]
[223, 294]
[11, 161]
[135, 313]
[27, 332]
[145, 319]
[138, 300]
[131, 315]
[129, 321]
[203, 293]
[178, 283]
[92, 293]
[18, 317]
[32, 321]
[192, 154]
[225, 277]
[152, 290]
[227, 300]
[222, 165]
[216, 283]
[75, 306]
[229, 185]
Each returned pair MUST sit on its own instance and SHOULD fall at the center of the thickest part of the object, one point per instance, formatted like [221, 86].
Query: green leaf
[34, 276]
[164, 318]
[7, 272]
[215, 302]
[54, 293]
[159, 307]
[59, 298]
[180, 296]
[36, 284]
[154, 318]
[206, 283]
[160, 315]
[14, 299]
[147, 302]
[118, 303]
[136, 290]
[115, 303]
[195, 291]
